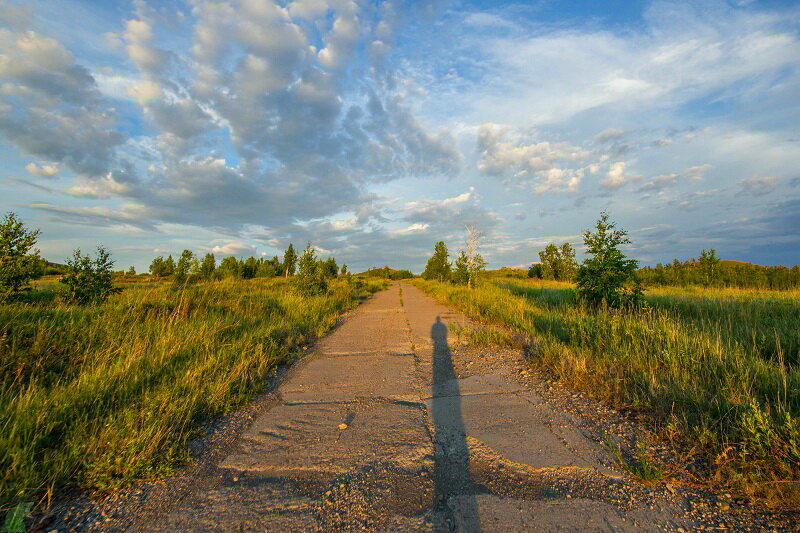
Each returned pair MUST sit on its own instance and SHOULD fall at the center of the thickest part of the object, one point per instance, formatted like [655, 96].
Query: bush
[88, 280]
[19, 263]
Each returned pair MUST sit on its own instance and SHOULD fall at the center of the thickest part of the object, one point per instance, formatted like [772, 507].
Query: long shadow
[451, 472]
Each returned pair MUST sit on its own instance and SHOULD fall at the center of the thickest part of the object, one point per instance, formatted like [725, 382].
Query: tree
[181, 273]
[567, 266]
[343, 272]
[330, 268]
[229, 267]
[310, 275]
[159, 268]
[438, 267]
[289, 261]
[709, 266]
[608, 277]
[208, 266]
[19, 261]
[131, 271]
[88, 280]
[169, 266]
[268, 268]
[556, 263]
[460, 274]
[475, 263]
[536, 271]
[249, 268]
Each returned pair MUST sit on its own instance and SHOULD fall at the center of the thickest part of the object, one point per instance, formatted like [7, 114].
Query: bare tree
[475, 263]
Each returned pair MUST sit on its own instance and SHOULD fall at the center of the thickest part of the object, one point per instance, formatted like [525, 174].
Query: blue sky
[376, 129]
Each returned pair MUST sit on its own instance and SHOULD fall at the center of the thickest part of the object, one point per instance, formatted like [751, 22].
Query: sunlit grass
[720, 365]
[100, 396]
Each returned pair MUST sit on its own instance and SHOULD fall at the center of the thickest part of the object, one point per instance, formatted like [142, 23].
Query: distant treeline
[388, 273]
[722, 274]
[189, 267]
[558, 263]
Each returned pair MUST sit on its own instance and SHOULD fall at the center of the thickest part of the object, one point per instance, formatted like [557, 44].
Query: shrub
[88, 280]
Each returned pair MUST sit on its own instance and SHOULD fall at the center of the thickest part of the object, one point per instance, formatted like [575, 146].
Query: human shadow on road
[451, 472]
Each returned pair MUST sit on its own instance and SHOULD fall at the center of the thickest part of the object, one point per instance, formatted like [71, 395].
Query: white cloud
[46, 170]
[234, 249]
[617, 176]
[544, 166]
[411, 230]
[428, 203]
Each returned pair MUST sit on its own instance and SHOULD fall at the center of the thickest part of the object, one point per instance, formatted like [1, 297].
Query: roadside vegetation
[104, 378]
[719, 368]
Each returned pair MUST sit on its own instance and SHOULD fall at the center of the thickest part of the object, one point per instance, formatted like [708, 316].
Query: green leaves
[607, 277]
[311, 273]
[438, 267]
[19, 262]
[89, 280]
[15, 519]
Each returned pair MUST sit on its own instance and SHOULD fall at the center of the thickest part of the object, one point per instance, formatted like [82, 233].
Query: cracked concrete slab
[306, 440]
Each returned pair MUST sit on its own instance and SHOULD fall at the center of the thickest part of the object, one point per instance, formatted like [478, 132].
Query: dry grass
[100, 396]
[720, 366]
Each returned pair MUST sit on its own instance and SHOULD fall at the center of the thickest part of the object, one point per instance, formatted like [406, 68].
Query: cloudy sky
[376, 129]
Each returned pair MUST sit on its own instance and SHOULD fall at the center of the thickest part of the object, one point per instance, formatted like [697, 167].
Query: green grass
[101, 396]
[717, 365]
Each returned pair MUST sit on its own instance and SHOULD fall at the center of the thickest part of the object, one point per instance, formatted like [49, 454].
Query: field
[716, 368]
[98, 396]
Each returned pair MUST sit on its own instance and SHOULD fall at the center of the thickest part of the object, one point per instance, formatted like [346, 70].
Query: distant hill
[507, 272]
[726, 273]
[388, 273]
[51, 269]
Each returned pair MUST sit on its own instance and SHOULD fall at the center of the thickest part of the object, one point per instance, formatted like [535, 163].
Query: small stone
[342, 427]
[524, 373]
[725, 507]
[681, 530]
[235, 479]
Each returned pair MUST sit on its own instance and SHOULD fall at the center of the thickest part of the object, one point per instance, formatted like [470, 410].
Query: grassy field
[717, 367]
[99, 396]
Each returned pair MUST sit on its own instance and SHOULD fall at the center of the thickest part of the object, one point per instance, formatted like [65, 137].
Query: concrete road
[382, 428]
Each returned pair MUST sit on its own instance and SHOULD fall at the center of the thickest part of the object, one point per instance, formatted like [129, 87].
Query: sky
[375, 129]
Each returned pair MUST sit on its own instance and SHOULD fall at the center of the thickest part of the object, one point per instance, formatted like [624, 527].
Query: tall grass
[719, 366]
[100, 396]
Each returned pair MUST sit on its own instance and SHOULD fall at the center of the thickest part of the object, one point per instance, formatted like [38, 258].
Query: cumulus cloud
[663, 181]
[233, 249]
[45, 170]
[543, 166]
[758, 185]
[411, 230]
[274, 115]
[616, 176]
[50, 106]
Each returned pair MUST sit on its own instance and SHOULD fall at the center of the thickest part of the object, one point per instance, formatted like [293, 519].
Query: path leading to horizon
[384, 427]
